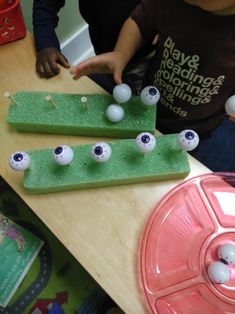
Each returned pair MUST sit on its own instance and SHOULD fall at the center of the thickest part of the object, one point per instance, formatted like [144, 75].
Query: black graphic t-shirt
[194, 63]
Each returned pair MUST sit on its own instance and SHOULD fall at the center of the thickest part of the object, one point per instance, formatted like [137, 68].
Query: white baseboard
[78, 47]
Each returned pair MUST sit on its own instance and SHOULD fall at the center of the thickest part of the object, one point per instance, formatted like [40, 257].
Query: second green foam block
[125, 166]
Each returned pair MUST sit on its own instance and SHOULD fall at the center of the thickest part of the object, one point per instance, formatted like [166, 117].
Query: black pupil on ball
[152, 91]
[189, 135]
[145, 139]
[18, 157]
[98, 150]
[58, 150]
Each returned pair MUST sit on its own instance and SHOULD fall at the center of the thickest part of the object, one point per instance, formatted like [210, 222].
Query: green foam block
[33, 113]
[125, 166]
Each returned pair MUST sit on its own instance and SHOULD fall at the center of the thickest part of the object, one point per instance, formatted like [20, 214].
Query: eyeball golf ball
[122, 93]
[188, 140]
[19, 161]
[227, 253]
[150, 95]
[218, 272]
[63, 155]
[101, 152]
[114, 113]
[230, 106]
[145, 142]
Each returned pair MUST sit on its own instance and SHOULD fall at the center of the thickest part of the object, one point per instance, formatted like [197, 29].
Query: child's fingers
[63, 61]
[232, 119]
[155, 40]
[118, 76]
[78, 72]
[89, 66]
[82, 70]
[53, 66]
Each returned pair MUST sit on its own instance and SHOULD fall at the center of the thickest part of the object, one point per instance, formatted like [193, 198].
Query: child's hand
[48, 60]
[111, 62]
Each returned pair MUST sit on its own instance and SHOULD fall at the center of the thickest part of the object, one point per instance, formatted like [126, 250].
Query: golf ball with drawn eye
[19, 161]
[101, 152]
[114, 113]
[150, 95]
[230, 106]
[122, 93]
[63, 155]
[226, 253]
[218, 272]
[145, 142]
[188, 140]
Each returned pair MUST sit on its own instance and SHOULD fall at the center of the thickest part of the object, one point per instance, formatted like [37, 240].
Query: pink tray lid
[181, 239]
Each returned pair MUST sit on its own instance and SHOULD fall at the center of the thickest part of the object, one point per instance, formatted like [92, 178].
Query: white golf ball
[122, 93]
[188, 140]
[101, 152]
[19, 161]
[114, 113]
[63, 155]
[218, 272]
[150, 95]
[145, 142]
[230, 106]
[227, 253]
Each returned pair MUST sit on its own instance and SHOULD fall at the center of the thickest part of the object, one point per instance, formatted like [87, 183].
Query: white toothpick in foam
[8, 95]
[84, 102]
[50, 99]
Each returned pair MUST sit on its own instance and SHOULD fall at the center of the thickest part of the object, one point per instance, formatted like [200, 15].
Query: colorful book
[18, 250]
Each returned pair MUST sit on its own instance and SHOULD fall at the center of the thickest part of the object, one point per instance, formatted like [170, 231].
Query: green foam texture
[33, 113]
[125, 166]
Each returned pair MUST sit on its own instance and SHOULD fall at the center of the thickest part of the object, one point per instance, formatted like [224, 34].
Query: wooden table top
[100, 227]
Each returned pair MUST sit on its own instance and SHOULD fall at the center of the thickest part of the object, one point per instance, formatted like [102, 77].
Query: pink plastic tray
[181, 238]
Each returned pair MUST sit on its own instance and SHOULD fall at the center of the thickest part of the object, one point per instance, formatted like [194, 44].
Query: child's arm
[45, 20]
[129, 41]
